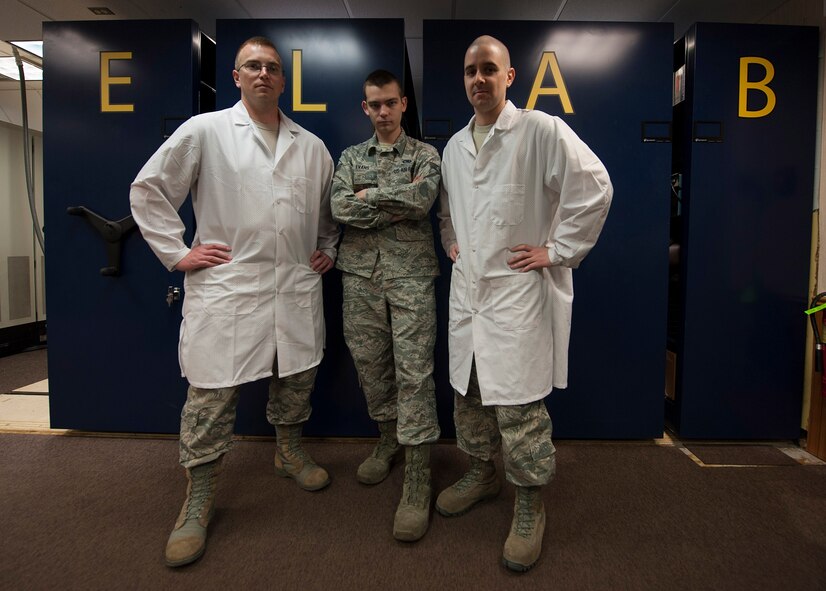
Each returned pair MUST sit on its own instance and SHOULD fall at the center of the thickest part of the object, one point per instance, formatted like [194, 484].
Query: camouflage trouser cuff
[429, 436]
[485, 454]
[384, 415]
[207, 421]
[190, 461]
[282, 423]
[288, 418]
[537, 477]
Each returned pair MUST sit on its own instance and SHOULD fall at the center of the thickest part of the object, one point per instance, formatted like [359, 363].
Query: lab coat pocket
[230, 289]
[306, 289]
[302, 194]
[457, 302]
[508, 205]
[517, 301]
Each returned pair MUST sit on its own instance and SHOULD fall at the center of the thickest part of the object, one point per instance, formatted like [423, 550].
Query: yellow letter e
[106, 81]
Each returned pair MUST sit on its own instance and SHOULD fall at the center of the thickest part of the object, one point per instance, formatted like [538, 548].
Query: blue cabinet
[744, 160]
[111, 95]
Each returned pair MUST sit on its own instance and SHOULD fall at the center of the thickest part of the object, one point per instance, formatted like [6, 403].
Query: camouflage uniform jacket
[401, 180]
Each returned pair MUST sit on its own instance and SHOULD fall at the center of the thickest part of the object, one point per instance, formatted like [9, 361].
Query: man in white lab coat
[523, 201]
[260, 188]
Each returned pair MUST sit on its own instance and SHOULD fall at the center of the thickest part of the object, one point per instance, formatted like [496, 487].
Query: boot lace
[413, 489]
[291, 450]
[202, 483]
[415, 483]
[297, 452]
[386, 448]
[526, 513]
[471, 478]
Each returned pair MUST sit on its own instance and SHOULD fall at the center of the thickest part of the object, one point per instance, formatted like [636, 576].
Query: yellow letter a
[549, 63]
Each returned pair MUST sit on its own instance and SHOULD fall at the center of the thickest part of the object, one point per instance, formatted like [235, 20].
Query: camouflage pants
[208, 416]
[523, 431]
[390, 329]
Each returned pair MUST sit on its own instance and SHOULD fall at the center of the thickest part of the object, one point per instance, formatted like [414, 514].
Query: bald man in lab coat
[523, 201]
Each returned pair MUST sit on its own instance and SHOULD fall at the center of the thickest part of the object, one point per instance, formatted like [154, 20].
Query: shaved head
[488, 75]
[493, 42]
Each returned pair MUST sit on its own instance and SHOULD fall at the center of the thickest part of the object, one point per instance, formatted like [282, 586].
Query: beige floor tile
[41, 387]
[21, 411]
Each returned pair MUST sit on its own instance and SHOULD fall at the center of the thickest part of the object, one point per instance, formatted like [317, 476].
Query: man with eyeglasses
[382, 192]
[260, 188]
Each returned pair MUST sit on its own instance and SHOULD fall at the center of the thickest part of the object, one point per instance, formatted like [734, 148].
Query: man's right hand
[453, 253]
[204, 255]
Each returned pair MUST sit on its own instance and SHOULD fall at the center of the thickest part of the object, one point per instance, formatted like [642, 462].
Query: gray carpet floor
[94, 513]
[22, 369]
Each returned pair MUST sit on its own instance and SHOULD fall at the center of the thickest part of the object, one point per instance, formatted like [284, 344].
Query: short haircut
[381, 78]
[492, 42]
[262, 41]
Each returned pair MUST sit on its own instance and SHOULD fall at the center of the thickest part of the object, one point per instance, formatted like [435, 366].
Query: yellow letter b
[762, 86]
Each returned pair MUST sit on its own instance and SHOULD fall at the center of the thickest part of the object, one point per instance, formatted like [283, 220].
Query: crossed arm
[376, 207]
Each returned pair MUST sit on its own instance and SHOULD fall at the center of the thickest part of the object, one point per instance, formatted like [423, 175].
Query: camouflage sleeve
[446, 231]
[412, 200]
[349, 209]
[328, 230]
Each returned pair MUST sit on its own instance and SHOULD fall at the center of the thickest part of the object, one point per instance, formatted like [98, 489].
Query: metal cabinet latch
[113, 233]
[173, 294]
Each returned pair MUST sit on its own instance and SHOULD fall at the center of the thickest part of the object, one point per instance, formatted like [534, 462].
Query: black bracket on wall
[170, 124]
[708, 132]
[655, 131]
[437, 129]
[113, 233]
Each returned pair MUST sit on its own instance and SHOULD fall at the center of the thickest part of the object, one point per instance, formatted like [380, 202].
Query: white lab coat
[534, 182]
[273, 211]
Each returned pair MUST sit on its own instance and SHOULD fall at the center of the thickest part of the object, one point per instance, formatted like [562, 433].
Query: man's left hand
[320, 262]
[530, 258]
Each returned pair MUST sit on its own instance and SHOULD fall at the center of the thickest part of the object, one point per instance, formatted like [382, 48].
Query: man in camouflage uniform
[382, 191]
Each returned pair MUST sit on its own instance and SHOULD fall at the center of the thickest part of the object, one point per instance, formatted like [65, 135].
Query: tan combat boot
[478, 483]
[292, 461]
[413, 513]
[187, 541]
[376, 468]
[524, 544]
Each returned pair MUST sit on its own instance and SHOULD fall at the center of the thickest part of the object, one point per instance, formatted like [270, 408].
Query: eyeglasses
[256, 67]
